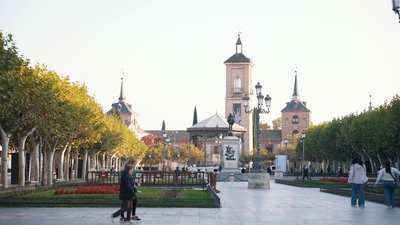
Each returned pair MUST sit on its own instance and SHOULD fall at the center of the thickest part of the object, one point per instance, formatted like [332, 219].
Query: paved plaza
[281, 204]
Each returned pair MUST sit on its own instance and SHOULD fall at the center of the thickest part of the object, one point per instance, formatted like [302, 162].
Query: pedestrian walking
[126, 193]
[305, 172]
[389, 183]
[135, 200]
[358, 178]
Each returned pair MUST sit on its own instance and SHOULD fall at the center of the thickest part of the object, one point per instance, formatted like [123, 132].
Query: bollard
[231, 177]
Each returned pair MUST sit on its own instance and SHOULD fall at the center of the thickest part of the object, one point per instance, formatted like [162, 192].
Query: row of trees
[373, 136]
[55, 113]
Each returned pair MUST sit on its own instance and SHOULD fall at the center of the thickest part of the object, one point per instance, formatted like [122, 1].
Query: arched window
[295, 119]
[237, 86]
[295, 132]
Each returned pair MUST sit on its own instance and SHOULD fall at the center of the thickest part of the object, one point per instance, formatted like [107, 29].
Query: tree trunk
[50, 159]
[67, 163]
[76, 164]
[85, 159]
[61, 163]
[398, 160]
[5, 140]
[44, 170]
[379, 158]
[369, 157]
[22, 156]
[35, 157]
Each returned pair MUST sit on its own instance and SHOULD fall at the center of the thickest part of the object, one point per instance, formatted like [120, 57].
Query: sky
[172, 52]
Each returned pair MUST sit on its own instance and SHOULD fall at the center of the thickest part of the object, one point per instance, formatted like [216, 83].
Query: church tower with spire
[129, 117]
[238, 83]
[296, 117]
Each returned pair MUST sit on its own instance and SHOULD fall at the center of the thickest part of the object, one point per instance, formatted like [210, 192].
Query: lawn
[149, 197]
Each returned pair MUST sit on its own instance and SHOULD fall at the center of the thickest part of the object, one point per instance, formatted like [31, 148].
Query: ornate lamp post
[150, 162]
[396, 7]
[286, 142]
[258, 110]
[164, 140]
[303, 136]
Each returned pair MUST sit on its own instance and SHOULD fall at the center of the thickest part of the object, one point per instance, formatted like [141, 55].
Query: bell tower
[238, 83]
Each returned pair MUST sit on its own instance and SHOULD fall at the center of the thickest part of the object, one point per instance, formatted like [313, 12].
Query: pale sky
[172, 52]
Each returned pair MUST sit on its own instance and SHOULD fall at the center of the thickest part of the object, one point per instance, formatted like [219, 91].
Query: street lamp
[164, 140]
[168, 154]
[178, 158]
[303, 135]
[396, 7]
[150, 162]
[257, 110]
[286, 141]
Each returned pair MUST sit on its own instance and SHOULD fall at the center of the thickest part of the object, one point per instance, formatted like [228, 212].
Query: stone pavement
[281, 204]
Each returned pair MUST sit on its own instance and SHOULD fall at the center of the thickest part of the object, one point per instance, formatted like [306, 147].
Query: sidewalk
[281, 204]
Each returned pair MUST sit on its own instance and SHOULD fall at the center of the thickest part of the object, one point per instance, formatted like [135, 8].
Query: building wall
[244, 71]
[287, 122]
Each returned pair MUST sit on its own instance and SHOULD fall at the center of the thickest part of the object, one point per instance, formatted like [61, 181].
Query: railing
[156, 178]
[94, 177]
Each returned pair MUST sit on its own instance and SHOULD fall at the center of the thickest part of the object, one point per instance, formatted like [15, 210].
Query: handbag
[395, 181]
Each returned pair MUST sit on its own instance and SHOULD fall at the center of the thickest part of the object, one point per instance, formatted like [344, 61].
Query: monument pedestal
[258, 181]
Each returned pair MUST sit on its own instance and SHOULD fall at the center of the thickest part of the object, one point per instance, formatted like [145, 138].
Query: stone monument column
[230, 154]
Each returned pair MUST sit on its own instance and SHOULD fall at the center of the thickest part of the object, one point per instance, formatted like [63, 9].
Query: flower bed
[89, 190]
[341, 180]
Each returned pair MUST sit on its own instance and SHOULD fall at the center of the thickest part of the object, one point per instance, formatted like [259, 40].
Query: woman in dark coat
[126, 193]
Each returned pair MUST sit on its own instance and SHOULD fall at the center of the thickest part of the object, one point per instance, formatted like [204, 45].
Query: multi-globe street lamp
[303, 136]
[396, 7]
[257, 111]
[286, 142]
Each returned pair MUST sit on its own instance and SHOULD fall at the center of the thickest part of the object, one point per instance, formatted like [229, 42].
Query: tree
[11, 66]
[163, 125]
[195, 154]
[277, 123]
[265, 126]
[195, 139]
[151, 139]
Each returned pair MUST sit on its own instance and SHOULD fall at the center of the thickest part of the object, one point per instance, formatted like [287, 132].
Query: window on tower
[237, 86]
[295, 119]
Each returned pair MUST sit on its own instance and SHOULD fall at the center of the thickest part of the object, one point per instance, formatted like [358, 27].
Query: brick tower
[238, 83]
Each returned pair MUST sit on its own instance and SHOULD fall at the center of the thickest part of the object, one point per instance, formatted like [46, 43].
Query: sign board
[103, 175]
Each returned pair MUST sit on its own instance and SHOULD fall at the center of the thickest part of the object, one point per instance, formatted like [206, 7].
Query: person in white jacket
[387, 175]
[358, 178]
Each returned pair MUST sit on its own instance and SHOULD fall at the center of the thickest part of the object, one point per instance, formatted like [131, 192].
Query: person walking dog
[358, 178]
